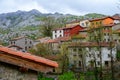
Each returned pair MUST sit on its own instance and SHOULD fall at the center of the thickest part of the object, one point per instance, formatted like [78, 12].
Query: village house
[66, 31]
[81, 37]
[116, 33]
[16, 65]
[81, 54]
[73, 23]
[55, 44]
[23, 42]
[17, 48]
[84, 23]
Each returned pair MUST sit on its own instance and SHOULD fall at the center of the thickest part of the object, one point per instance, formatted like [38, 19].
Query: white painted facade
[57, 33]
[106, 56]
[88, 55]
[116, 21]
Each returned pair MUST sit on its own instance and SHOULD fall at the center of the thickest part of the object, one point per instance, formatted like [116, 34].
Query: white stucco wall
[57, 33]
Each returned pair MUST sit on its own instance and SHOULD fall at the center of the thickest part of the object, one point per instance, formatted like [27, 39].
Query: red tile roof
[116, 17]
[70, 27]
[97, 19]
[84, 30]
[29, 56]
[108, 25]
[90, 44]
[51, 41]
[62, 39]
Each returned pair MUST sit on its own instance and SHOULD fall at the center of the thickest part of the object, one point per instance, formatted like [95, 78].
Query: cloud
[77, 7]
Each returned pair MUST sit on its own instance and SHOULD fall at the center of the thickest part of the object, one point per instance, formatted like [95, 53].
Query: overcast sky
[76, 7]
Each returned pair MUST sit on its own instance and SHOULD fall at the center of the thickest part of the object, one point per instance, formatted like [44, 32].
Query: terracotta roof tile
[69, 27]
[62, 39]
[29, 56]
[96, 19]
[90, 44]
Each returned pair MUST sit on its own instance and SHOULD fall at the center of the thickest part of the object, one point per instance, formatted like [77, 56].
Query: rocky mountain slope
[29, 18]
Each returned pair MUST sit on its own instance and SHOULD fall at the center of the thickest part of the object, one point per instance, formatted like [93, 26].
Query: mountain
[19, 18]
[29, 18]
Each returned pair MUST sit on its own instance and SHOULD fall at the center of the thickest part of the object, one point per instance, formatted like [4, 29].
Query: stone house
[23, 42]
[16, 65]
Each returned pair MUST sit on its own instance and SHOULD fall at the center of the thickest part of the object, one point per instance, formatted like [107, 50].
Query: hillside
[28, 23]
[30, 18]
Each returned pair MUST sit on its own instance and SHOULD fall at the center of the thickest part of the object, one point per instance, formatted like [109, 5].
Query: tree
[40, 49]
[47, 26]
[64, 57]
[67, 76]
[118, 53]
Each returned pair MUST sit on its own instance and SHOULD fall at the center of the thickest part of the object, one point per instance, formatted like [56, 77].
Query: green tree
[64, 57]
[67, 76]
[40, 49]
[47, 26]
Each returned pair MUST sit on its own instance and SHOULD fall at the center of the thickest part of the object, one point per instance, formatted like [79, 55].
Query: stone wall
[10, 72]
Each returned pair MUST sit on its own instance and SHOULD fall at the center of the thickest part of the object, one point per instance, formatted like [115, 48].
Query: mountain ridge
[28, 18]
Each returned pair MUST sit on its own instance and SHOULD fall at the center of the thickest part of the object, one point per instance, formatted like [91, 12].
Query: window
[14, 42]
[55, 31]
[60, 35]
[74, 50]
[106, 63]
[80, 49]
[109, 56]
[105, 40]
[82, 24]
[55, 36]
[98, 55]
[26, 48]
[96, 23]
[80, 55]
[98, 62]
[115, 40]
[104, 34]
[74, 55]
[80, 63]
[54, 70]
[60, 31]
[30, 42]
[25, 42]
